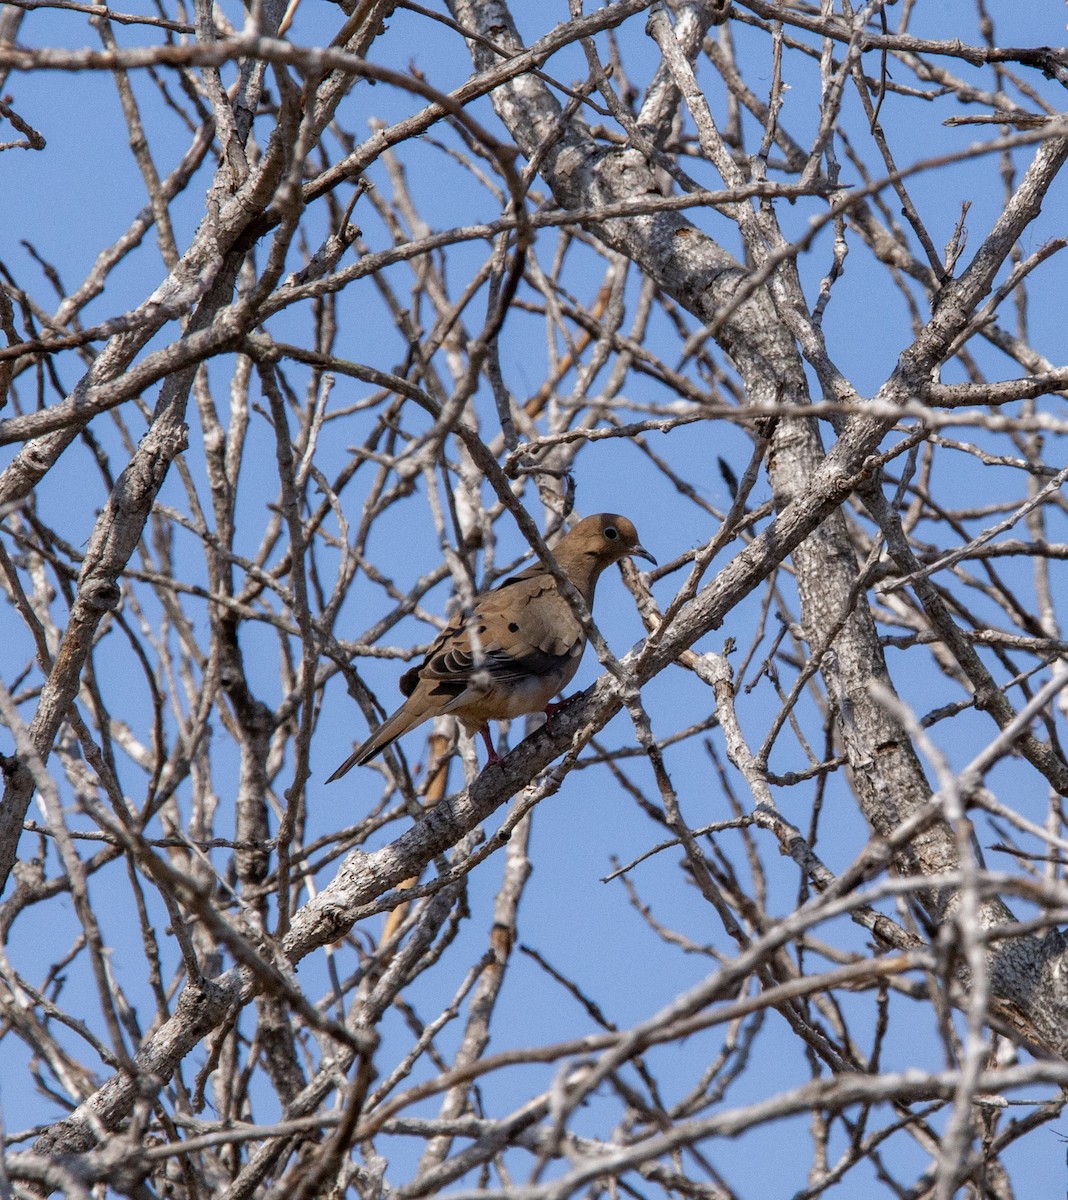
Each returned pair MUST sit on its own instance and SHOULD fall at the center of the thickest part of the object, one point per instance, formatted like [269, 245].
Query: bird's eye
[611, 532]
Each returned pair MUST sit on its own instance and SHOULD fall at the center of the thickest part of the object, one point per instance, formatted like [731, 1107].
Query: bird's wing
[524, 628]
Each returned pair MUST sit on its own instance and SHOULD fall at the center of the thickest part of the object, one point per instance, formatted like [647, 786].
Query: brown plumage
[529, 643]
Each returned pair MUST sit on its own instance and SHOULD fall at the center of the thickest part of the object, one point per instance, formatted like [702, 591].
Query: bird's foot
[554, 706]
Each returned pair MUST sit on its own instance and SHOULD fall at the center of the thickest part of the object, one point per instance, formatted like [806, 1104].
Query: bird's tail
[390, 729]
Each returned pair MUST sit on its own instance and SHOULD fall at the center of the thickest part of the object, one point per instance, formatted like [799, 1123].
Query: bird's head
[602, 539]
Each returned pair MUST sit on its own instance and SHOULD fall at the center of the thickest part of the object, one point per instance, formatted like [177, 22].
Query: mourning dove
[518, 646]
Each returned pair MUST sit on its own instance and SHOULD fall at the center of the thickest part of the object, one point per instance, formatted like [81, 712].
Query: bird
[516, 648]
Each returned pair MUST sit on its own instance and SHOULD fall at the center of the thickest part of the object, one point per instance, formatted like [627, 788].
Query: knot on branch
[99, 595]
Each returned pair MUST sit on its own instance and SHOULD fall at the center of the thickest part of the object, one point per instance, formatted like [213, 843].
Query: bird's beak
[640, 551]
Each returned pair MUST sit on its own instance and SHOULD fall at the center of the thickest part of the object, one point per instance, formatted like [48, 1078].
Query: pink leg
[493, 755]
